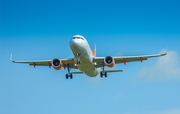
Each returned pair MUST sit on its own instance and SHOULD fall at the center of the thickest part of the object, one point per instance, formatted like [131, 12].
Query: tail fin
[11, 57]
[95, 50]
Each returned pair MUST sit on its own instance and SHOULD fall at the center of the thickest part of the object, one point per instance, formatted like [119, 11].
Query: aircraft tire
[67, 76]
[105, 74]
[78, 62]
[71, 76]
[101, 75]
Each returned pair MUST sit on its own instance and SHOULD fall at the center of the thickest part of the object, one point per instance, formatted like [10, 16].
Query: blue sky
[41, 30]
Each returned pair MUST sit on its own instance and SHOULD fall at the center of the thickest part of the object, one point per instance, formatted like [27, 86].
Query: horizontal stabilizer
[113, 71]
[108, 71]
[76, 73]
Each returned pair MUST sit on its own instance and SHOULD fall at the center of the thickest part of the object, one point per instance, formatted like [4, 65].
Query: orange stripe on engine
[59, 67]
[111, 65]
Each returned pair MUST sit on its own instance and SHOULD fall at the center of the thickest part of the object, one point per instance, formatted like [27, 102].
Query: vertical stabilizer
[95, 50]
[11, 56]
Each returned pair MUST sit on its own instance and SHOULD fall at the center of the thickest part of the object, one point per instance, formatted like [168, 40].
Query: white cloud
[166, 67]
[175, 111]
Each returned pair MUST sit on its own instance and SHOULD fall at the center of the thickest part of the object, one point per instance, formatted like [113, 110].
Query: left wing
[48, 62]
[100, 60]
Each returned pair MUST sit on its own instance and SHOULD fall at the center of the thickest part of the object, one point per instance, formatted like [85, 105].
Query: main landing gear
[78, 56]
[69, 74]
[103, 73]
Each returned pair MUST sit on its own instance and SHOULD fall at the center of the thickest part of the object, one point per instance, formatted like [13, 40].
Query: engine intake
[56, 63]
[109, 61]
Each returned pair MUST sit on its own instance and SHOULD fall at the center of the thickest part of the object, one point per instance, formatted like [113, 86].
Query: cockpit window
[78, 38]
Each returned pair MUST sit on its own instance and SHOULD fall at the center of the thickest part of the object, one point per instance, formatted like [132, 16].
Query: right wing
[123, 59]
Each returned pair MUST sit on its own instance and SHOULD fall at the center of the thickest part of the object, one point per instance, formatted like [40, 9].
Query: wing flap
[40, 61]
[46, 64]
[129, 60]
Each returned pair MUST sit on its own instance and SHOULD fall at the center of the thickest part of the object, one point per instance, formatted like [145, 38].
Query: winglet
[95, 50]
[11, 56]
[163, 54]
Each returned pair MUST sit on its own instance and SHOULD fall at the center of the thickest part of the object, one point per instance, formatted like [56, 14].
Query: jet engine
[56, 63]
[109, 61]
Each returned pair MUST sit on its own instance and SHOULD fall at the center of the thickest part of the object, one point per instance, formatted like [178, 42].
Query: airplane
[86, 61]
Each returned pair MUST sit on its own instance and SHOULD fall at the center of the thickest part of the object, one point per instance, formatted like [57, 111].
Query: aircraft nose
[74, 43]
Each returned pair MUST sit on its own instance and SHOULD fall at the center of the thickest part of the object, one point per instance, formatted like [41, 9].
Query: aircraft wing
[48, 62]
[123, 59]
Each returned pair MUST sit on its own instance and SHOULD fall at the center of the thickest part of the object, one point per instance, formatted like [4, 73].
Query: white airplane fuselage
[80, 46]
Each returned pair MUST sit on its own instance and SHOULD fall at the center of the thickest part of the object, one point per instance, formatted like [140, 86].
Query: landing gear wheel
[78, 62]
[71, 76]
[105, 74]
[67, 76]
[101, 75]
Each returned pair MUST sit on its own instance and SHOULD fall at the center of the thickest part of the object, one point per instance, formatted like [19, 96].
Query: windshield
[78, 38]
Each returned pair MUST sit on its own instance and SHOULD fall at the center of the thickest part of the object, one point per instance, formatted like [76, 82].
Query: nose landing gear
[78, 56]
[78, 62]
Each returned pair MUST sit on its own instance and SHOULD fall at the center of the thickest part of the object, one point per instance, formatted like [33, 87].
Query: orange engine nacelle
[56, 63]
[109, 61]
